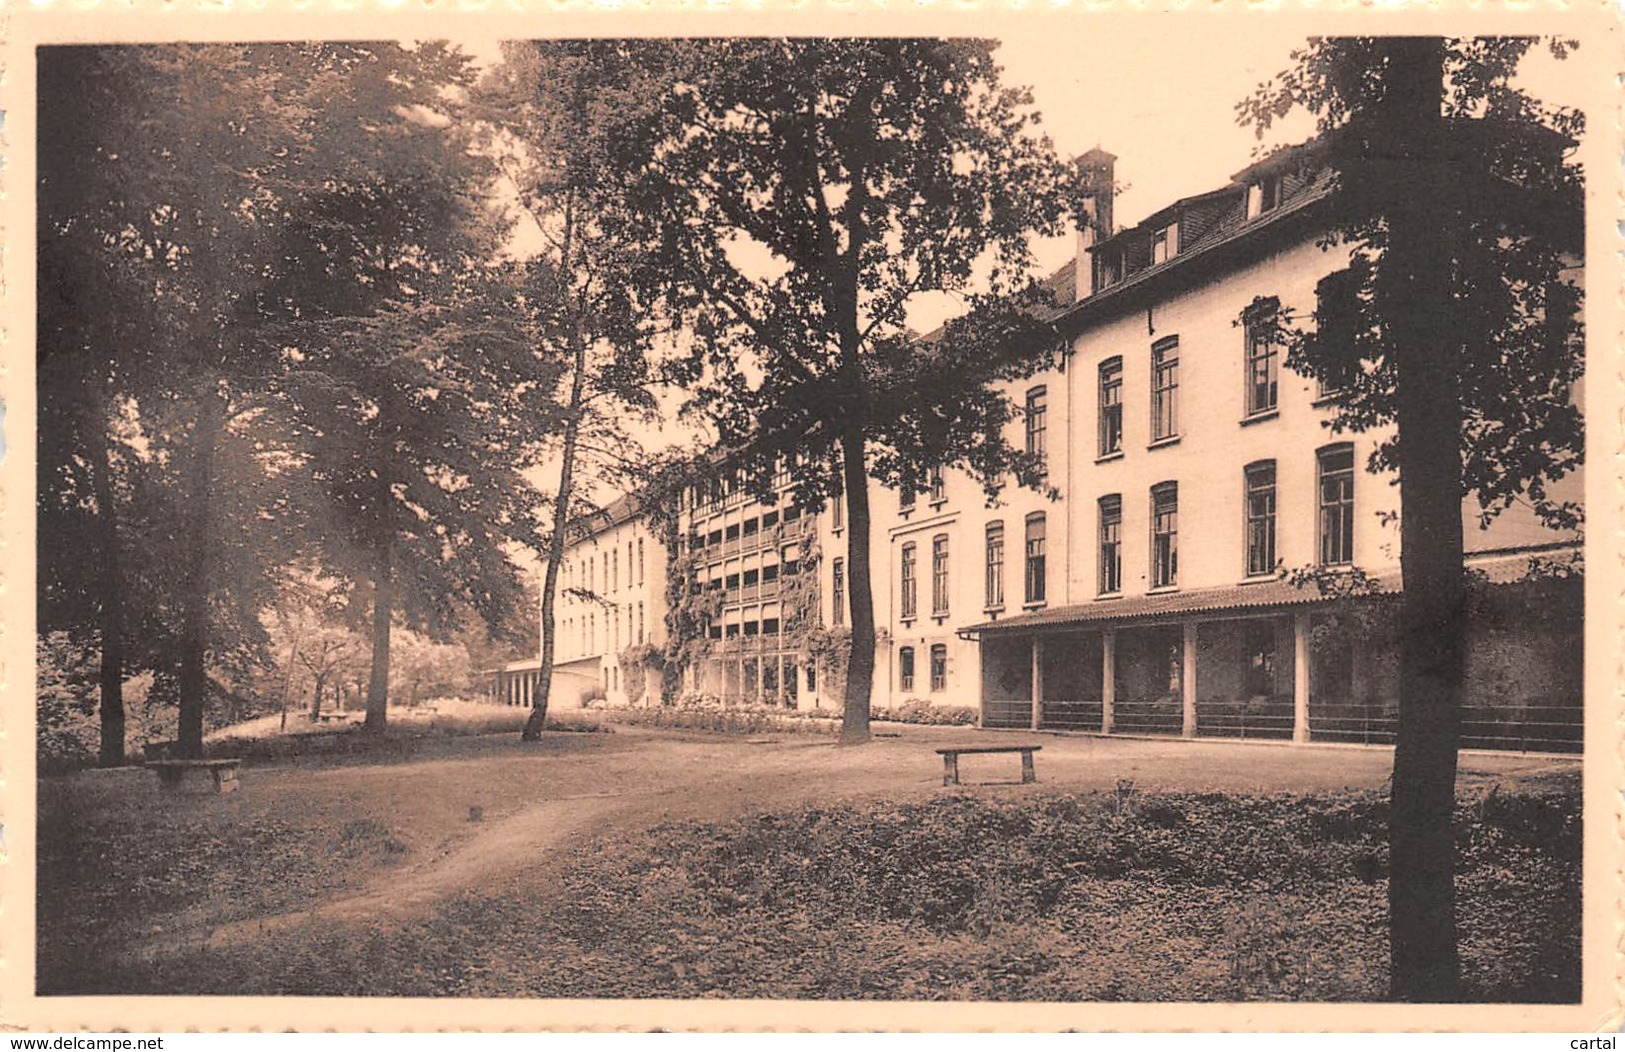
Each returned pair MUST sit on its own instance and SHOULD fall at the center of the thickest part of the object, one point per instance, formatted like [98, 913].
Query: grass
[1087, 896]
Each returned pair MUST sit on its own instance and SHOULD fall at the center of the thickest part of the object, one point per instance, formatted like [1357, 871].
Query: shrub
[706, 712]
[917, 711]
[593, 694]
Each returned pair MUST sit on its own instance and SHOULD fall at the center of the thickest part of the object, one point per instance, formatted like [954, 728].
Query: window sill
[1035, 604]
[1258, 578]
[1167, 589]
[940, 619]
[908, 621]
[1108, 596]
[1107, 458]
[1163, 443]
[993, 609]
[937, 505]
[1260, 416]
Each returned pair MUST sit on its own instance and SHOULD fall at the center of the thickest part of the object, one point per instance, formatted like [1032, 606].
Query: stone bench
[950, 760]
[172, 772]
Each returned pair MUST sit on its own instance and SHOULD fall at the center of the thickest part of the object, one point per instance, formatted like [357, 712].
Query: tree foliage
[804, 194]
[558, 116]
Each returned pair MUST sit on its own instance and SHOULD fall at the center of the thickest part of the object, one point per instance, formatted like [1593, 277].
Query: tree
[558, 114]
[155, 197]
[802, 194]
[1454, 323]
[417, 395]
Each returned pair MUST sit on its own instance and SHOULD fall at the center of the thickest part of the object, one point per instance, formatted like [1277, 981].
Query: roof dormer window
[1263, 196]
[1164, 244]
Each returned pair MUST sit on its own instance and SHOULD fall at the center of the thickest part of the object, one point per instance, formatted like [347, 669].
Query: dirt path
[653, 776]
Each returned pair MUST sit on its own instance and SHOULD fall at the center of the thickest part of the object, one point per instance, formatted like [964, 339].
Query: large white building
[1192, 468]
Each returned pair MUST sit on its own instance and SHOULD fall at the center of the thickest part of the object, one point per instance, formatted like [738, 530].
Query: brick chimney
[1097, 168]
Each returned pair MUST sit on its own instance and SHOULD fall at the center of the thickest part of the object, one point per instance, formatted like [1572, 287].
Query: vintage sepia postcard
[833, 517]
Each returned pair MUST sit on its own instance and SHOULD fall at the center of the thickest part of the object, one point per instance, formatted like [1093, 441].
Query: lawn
[996, 893]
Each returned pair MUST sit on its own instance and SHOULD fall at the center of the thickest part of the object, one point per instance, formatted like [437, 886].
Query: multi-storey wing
[1154, 594]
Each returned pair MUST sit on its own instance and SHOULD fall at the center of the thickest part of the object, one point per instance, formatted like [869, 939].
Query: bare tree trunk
[1421, 890]
[111, 753]
[194, 675]
[860, 670]
[556, 543]
[383, 594]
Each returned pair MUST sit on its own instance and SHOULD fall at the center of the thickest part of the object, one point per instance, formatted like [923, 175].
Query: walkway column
[1038, 681]
[1108, 678]
[1187, 681]
[1300, 676]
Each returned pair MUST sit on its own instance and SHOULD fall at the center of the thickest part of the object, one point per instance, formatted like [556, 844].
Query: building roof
[1499, 568]
[622, 509]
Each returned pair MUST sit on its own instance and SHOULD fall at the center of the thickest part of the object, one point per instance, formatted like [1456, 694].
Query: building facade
[1194, 477]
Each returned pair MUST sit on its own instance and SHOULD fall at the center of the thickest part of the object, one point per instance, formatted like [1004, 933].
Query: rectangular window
[770, 626]
[731, 532]
[770, 573]
[1165, 390]
[1260, 518]
[752, 527]
[1111, 545]
[906, 497]
[1338, 330]
[1336, 464]
[1111, 406]
[1165, 535]
[1035, 558]
[939, 668]
[640, 562]
[939, 486]
[995, 565]
[1037, 410]
[1263, 358]
[905, 669]
[837, 513]
[910, 582]
[939, 575]
[838, 592]
[770, 520]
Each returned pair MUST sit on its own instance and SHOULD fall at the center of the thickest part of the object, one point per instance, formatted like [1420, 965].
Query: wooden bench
[171, 772]
[950, 760]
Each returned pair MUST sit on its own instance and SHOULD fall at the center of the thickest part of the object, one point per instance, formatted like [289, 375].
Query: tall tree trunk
[556, 543]
[194, 674]
[316, 697]
[383, 603]
[860, 671]
[1421, 890]
[111, 752]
